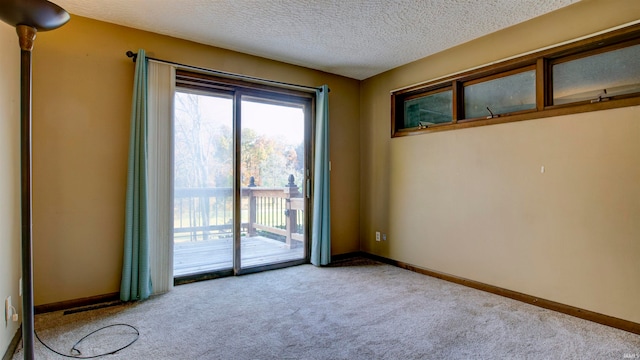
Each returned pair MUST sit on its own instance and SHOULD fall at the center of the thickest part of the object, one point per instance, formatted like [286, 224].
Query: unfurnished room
[270, 179]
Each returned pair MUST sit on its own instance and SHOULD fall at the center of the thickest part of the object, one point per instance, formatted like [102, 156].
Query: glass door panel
[203, 182]
[272, 177]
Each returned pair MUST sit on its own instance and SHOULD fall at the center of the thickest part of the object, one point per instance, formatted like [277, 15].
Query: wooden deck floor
[191, 257]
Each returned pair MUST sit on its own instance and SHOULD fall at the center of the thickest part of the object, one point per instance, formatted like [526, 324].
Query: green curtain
[321, 230]
[136, 279]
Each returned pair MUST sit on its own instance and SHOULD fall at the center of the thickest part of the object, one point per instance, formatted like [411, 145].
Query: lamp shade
[40, 14]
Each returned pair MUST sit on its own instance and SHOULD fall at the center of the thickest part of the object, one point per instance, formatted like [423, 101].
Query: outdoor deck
[191, 257]
[203, 227]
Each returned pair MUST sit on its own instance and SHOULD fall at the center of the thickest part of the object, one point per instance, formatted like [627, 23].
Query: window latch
[601, 97]
[492, 114]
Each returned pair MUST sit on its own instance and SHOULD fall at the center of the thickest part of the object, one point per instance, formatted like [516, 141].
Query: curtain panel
[136, 280]
[148, 251]
[321, 230]
[161, 92]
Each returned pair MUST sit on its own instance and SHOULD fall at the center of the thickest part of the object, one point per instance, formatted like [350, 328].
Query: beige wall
[473, 203]
[10, 178]
[82, 101]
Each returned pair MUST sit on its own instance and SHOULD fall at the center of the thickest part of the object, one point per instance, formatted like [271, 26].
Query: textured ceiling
[353, 38]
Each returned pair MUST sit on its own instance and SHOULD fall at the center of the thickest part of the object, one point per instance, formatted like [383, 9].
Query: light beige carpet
[359, 310]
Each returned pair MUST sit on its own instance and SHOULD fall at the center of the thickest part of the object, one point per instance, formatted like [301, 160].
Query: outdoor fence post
[290, 191]
[251, 229]
[204, 215]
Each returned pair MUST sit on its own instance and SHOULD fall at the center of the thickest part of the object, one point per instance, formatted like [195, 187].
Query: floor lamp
[29, 17]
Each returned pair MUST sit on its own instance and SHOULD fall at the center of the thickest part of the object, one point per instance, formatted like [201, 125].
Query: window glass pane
[608, 74]
[272, 175]
[429, 110]
[503, 95]
[203, 213]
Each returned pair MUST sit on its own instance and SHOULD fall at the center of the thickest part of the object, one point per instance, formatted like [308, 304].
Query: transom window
[507, 94]
[602, 72]
[597, 77]
[430, 109]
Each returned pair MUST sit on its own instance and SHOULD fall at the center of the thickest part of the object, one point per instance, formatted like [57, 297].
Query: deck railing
[207, 213]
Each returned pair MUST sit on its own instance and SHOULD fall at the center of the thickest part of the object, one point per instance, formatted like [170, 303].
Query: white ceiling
[353, 38]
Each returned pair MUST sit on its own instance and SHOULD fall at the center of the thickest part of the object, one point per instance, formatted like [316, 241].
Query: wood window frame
[500, 75]
[417, 95]
[542, 62]
[582, 55]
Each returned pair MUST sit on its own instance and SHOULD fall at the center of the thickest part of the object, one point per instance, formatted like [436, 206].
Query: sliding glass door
[272, 168]
[240, 180]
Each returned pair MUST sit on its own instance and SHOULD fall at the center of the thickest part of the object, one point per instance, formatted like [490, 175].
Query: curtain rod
[134, 57]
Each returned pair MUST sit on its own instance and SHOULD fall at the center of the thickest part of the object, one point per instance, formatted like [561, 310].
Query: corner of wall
[9, 181]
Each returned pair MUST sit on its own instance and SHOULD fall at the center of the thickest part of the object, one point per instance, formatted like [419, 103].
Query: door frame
[239, 88]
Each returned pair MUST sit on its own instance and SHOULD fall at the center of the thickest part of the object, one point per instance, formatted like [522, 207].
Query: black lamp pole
[29, 17]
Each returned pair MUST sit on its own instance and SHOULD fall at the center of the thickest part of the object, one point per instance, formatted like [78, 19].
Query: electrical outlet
[7, 310]
[384, 237]
[377, 235]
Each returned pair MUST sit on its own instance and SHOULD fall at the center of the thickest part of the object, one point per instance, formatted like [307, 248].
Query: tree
[203, 155]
